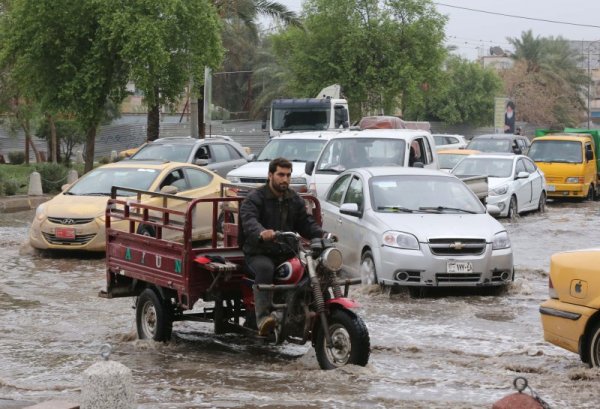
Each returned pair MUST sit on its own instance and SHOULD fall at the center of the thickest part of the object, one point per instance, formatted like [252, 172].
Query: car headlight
[400, 240]
[298, 181]
[234, 179]
[574, 180]
[40, 212]
[499, 191]
[501, 241]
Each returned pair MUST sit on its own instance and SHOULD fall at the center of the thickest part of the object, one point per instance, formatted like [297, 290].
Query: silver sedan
[416, 228]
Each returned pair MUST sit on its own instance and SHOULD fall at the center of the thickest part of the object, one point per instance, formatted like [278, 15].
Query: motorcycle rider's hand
[267, 235]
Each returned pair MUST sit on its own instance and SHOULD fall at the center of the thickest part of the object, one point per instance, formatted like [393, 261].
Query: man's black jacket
[262, 210]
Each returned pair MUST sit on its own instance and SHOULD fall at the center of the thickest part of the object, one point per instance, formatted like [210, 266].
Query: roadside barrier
[107, 385]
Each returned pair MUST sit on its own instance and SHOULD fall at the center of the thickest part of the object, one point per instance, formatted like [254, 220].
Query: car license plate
[551, 188]
[459, 267]
[64, 233]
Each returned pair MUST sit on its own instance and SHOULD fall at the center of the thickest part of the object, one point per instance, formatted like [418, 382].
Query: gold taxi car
[74, 219]
[571, 316]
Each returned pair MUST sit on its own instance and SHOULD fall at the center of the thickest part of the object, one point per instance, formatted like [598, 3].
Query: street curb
[9, 204]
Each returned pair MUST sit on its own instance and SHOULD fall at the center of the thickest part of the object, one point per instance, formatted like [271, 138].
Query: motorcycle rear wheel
[351, 343]
[153, 317]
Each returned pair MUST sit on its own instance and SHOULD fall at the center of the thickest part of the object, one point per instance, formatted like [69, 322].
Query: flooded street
[450, 350]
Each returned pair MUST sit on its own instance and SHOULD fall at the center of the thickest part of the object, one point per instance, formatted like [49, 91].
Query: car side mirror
[263, 125]
[346, 124]
[350, 209]
[252, 157]
[169, 190]
[493, 210]
[201, 162]
[309, 167]
[522, 175]
[65, 187]
[589, 155]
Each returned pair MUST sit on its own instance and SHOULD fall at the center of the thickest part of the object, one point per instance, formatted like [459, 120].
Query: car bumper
[502, 201]
[88, 237]
[567, 189]
[423, 268]
[564, 324]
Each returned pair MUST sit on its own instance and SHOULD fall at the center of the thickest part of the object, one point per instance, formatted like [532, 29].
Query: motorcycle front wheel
[350, 337]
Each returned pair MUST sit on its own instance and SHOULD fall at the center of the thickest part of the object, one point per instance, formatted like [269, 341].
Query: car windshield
[491, 145]
[300, 119]
[556, 151]
[348, 153]
[99, 181]
[428, 194]
[449, 160]
[164, 151]
[490, 167]
[299, 150]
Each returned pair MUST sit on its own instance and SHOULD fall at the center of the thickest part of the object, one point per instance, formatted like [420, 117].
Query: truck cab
[569, 162]
[325, 112]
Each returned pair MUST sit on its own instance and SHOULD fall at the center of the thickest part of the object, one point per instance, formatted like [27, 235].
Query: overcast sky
[474, 32]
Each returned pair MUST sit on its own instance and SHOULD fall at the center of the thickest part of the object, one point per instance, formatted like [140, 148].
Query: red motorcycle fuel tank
[289, 272]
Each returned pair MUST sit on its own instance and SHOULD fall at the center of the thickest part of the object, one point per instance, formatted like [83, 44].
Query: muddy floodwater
[449, 350]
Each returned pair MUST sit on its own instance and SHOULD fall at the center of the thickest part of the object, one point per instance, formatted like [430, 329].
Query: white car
[416, 228]
[449, 141]
[298, 147]
[372, 147]
[515, 183]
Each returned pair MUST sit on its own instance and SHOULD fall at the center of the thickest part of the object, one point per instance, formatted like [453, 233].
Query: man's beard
[280, 187]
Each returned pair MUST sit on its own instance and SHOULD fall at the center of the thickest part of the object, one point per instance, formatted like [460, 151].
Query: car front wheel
[512, 209]
[593, 347]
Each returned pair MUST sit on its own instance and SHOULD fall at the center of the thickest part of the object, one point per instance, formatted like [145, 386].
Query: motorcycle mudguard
[343, 302]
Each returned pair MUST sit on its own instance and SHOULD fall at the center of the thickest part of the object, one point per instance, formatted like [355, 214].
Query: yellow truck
[569, 160]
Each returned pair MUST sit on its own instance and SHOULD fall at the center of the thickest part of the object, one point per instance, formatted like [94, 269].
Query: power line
[515, 16]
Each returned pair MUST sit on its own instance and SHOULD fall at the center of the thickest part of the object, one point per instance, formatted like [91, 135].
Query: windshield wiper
[442, 208]
[395, 209]
[93, 194]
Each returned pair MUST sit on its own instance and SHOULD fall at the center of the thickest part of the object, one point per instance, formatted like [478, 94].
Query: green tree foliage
[63, 56]
[378, 51]
[166, 43]
[462, 94]
[68, 134]
[240, 84]
[546, 82]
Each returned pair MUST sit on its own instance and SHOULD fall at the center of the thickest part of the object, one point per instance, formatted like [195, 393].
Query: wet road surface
[449, 350]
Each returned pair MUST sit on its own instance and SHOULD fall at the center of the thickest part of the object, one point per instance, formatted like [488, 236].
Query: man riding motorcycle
[267, 209]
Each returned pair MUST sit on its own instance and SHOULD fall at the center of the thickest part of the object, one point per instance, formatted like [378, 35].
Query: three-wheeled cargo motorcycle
[169, 276]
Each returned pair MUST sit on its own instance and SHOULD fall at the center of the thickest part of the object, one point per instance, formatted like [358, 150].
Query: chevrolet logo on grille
[67, 221]
[457, 245]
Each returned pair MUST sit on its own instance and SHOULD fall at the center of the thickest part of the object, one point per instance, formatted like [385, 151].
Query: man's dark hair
[281, 162]
[511, 105]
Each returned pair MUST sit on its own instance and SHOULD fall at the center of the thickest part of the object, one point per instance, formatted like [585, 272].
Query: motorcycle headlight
[298, 181]
[400, 240]
[501, 241]
[332, 258]
[499, 191]
[234, 179]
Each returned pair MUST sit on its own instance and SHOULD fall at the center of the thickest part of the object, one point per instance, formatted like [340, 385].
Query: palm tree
[550, 67]
[242, 39]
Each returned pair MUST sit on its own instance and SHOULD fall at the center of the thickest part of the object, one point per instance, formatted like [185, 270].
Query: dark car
[497, 142]
[221, 154]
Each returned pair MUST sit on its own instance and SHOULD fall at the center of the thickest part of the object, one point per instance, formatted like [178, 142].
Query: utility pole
[590, 81]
